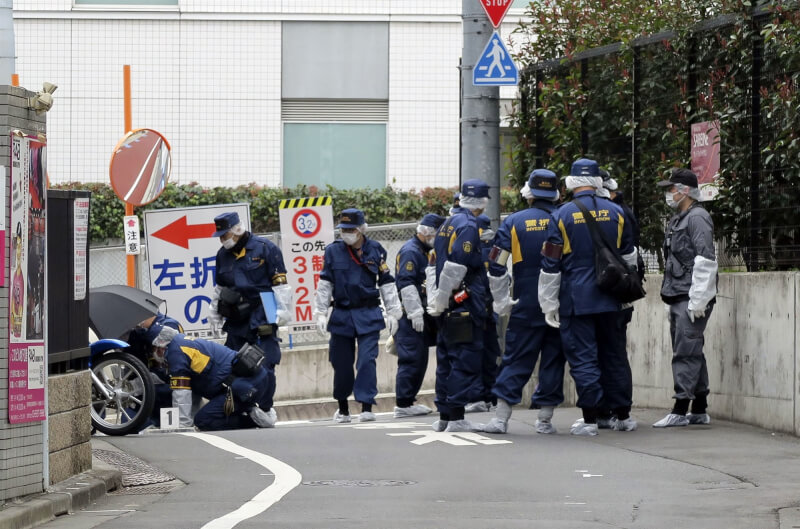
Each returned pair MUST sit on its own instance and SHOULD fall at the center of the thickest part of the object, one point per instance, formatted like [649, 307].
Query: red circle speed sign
[306, 223]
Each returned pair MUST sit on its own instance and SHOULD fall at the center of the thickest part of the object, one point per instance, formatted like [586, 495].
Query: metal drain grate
[358, 483]
[162, 488]
[134, 470]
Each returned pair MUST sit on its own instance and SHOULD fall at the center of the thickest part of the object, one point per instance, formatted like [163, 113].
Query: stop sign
[496, 10]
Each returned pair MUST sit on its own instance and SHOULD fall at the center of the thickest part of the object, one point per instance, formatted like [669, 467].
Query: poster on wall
[27, 305]
[705, 157]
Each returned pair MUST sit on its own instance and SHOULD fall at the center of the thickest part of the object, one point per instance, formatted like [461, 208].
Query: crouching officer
[416, 331]
[459, 297]
[236, 384]
[521, 236]
[248, 266]
[354, 278]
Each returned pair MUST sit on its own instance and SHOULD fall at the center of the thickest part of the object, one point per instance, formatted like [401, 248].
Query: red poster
[705, 157]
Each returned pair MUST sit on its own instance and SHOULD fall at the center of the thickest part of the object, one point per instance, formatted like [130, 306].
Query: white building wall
[207, 76]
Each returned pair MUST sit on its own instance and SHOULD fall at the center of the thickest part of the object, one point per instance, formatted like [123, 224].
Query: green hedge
[379, 205]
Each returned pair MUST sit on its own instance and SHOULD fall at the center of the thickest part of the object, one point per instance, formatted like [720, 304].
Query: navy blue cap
[475, 188]
[224, 222]
[543, 183]
[351, 218]
[585, 167]
[484, 222]
[456, 196]
[432, 219]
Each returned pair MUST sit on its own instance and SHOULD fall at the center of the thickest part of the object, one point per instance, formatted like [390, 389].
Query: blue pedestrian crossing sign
[495, 66]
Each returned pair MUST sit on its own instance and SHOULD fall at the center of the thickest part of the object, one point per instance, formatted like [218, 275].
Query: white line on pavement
[286, 478]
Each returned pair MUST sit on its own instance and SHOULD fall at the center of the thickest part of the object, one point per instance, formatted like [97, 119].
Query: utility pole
[7, 52]
[480, 110]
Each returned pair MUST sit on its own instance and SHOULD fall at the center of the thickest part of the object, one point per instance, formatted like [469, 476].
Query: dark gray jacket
[689, 234]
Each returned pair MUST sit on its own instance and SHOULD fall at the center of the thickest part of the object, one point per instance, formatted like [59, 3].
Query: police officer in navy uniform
[205, 369]
[459, 299]
[354, 278]
[491, 341]
[416, 331]
[570, 299]
[246, 267]
[521, 237]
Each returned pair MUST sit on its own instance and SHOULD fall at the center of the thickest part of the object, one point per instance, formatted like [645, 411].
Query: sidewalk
[70, 495]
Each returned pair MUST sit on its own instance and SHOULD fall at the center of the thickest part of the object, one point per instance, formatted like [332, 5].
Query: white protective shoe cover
[673, 419]
[475, 407]
[626, 425]
[411, 411]
[496, 426]
[262, 418]
[463, 425]
[545, 427]
[606, 424]
[366, 416]
[583, 429]
[338, 417]
[699, 418]
[440, 425]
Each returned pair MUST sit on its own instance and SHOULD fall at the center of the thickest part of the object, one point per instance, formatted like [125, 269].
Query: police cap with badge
[543, 183]
[224, 222]
[474, 188]
[350, 218]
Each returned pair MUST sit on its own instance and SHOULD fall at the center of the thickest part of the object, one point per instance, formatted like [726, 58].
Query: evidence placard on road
[496, 10]
[306, 229]
[181, 256]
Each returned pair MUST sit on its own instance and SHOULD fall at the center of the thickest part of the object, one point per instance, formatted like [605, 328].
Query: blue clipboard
[270, 306]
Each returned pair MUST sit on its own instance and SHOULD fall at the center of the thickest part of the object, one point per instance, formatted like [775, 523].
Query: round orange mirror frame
[140, 166]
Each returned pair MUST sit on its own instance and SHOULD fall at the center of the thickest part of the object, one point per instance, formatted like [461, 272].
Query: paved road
[400, 474]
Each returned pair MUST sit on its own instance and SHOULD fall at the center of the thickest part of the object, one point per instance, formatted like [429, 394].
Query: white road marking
[451, 438]
[593, 475]
[286, 478]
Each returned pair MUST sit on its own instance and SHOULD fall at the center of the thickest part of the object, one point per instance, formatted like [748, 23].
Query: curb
[70, 495]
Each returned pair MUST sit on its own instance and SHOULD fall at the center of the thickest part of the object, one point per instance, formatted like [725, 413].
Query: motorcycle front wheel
[125, 401]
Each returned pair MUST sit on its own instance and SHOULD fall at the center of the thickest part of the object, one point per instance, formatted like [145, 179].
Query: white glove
[552, 318]
[322, 323]
[418, 322]
[391, 324]
[504, 308]
[216, 328]
[696, 314]
[449, 280]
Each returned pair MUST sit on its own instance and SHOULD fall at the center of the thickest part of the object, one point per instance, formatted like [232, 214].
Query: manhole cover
[162, 488]
[358, 483]
[134, 470]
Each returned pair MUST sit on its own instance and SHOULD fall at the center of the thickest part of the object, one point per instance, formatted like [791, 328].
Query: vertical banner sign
[27, 306]
[3, 194]
[182, 256]
[130, 227]
[80, 221]
[705, 157]
[306, 229]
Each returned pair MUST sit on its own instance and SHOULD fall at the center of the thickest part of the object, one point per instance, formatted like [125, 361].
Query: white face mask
[228, 243]
[671, 202]
[350, 238]
[429, 240]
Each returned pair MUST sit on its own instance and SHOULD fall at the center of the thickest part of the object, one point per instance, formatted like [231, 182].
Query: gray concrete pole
[480, 110]
[7, 54]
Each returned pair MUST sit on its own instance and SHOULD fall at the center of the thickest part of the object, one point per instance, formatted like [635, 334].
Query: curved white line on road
[286, 478]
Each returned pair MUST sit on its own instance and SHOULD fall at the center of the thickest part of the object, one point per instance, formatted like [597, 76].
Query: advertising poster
[705, 157]
[306, 229]
[27, 306]
[80, 220]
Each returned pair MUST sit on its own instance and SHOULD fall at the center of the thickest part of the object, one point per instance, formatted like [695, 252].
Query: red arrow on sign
[179, 232]
[496, 9]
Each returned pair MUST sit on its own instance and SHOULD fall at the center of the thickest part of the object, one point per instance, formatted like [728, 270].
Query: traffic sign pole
[126, 76]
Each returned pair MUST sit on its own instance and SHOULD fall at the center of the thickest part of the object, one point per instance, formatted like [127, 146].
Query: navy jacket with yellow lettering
[522, 234]
[579, 293]
[198, 365]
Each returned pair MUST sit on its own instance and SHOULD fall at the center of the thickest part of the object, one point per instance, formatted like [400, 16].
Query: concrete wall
[751, 351]
[70, 424]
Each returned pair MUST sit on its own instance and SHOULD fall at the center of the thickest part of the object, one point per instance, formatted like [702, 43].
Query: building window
[342, 155]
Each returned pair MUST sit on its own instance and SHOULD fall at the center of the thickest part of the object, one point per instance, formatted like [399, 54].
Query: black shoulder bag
[613, 276]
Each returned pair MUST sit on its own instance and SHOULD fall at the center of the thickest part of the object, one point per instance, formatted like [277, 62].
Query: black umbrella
[116, 309]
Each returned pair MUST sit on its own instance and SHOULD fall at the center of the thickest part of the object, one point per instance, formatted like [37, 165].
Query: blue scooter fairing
[106, 344]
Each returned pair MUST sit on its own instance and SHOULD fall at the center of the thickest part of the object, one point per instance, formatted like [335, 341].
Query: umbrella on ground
[116, 309]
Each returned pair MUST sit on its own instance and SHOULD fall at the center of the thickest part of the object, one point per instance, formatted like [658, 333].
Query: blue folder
[270, 306]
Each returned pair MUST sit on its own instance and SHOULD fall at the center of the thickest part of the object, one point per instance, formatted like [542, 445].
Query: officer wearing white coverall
[689, 289]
